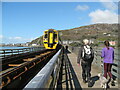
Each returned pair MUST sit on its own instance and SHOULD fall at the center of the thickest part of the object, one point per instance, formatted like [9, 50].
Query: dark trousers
[86, 69]
[107, 69]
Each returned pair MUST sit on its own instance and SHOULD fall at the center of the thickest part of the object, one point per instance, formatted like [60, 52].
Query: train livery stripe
[51, 38]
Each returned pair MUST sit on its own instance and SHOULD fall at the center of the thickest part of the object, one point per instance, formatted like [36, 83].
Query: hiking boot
[112, 83]
[84, 81]
[90, 83]
[108, 86]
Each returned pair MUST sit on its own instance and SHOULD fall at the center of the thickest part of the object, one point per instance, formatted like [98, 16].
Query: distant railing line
[8, 52]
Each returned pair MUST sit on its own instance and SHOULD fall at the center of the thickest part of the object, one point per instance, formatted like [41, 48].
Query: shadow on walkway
[67, 76]
[94, 79]
[67, 51]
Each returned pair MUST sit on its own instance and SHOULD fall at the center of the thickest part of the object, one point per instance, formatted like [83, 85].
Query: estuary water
[13, 47]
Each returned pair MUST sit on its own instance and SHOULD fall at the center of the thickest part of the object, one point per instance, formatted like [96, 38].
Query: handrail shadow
[67, 51]
[94, 79]
[74, 76]
[71, 78]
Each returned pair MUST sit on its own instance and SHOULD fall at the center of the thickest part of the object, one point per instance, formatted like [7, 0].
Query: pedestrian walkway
[78, 70]
[71, 74]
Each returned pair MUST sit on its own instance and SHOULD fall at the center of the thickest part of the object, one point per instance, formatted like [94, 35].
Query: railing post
[22, 50]
[4, 53]
[11, 52]
[18, 51]
[32, 49]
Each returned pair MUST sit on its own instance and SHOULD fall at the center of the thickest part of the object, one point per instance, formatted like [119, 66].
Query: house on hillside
[34, 45]
[113, 43]
[69, 41]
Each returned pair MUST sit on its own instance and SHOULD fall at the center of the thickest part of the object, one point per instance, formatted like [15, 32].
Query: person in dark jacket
[85, 62]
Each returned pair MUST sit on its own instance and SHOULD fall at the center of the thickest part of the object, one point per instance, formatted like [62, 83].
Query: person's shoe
[112, 83]
[84, 81]
[108, 86]
[90, 83]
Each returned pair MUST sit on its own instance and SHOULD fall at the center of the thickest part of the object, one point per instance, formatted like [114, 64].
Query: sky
[24, 21]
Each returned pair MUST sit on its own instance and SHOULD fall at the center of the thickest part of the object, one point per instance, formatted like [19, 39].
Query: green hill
[97, 32]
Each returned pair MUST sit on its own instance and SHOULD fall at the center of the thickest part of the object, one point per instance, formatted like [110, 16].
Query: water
[12, 47]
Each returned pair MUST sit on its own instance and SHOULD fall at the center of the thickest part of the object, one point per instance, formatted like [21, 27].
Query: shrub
[75, 44]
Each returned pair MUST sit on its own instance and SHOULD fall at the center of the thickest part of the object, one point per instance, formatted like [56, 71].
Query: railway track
[18, 71]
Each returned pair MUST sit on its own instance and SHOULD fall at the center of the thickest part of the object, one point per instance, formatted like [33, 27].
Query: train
[51, 39]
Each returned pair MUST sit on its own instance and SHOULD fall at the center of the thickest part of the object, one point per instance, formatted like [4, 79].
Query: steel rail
[41, 80]
[16, 72]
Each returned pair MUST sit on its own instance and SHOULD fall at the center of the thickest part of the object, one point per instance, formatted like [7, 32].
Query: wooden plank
[14, 65]
[38, 56]
[114, 67]
[115, 74]
[17, 64]
[28, 59]
[2, 72]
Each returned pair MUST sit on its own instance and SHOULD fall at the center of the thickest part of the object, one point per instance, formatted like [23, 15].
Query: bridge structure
[56, 69]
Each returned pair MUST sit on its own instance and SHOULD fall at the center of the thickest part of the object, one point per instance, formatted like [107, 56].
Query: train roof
[51, 30]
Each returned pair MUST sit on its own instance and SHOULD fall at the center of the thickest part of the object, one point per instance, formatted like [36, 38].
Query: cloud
[103, 16]
[1, 36]
[33, 38]
[15, 38]
[83, 7]
[109, 4]
[18, 39]
[21, 38]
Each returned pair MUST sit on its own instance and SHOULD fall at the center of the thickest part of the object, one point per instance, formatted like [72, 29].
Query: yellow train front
[50, 39]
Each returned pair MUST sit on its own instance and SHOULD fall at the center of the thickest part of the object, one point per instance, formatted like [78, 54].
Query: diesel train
[51, 39]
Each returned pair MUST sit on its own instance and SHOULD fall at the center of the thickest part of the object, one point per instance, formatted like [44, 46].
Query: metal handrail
[7, 52]
[50, 70]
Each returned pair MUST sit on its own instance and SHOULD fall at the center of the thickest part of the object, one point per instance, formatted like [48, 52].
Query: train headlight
[45, 39]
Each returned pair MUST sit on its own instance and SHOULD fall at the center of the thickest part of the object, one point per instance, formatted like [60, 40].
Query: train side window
[46, 35]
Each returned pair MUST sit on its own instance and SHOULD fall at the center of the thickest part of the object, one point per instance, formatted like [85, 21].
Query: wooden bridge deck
[72, 74]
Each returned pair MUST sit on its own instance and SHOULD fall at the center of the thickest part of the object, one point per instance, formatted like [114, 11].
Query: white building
[69, 41]
[112, 43]
[34, 44]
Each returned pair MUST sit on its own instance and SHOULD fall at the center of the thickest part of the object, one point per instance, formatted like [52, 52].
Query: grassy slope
[94, 31]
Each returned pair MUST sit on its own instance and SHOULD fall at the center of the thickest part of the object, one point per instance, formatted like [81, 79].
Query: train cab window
[55, 36]
[46, 35]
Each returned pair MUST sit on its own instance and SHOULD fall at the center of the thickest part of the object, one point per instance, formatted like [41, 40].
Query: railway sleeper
[12, 76]
[19, 69]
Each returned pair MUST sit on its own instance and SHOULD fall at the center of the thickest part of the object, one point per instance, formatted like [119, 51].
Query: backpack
[87, 53]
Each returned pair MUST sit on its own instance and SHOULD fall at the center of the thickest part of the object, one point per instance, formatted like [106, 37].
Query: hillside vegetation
[96, 32]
